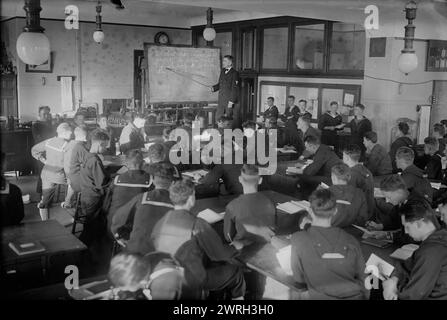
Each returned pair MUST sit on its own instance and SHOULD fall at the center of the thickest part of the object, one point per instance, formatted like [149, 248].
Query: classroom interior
[331, 81]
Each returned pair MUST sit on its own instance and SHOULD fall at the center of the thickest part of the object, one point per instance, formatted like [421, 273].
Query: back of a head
[392, 183]
[439, 128]
[163, 174]
[134, 159]
[353, 151]
[323, 203]
[156, 153]
[342, 172]
[180, 191]
[404, 127]
[432, 143]
[312, 140]
[99, 135]
[405, 154]
[63, 128]
[306, 118]
[80, 134]
[249, 125]
[360, 106]
[127, 270]
[250, 174]
[444, 122]
[371, 136]
[416, 212]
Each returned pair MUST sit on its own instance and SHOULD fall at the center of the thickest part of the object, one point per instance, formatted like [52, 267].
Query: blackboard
[174, 73]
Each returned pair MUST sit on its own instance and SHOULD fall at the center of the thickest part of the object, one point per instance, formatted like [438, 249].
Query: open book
[283, 150]
[294, 170]
[378, 267]
[196, 174]
[284, 258]
[378, 193]
[380, 235]
[404, 252]
[293, 206]
[211, 216]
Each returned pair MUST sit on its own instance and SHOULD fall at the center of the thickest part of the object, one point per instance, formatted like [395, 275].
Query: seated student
[424, 275]
[127, 185]
[250, 218]
[80, 135]
[396, 193]
[132, 135]
[135, 220]
[270, 125]
[439, 133]
[103, 124]
[329, 123]
[378, 161]
[94, 181]
[157, 154]
[412, 175]
[272, 110]
[351, 202]
[51, 153]
[403, 140]
[223, 123]
[324, 158]
[326, 259]
[433, 165]
[361, 177]
[304, 130]
[155, 276]
[195, 244]
[11, 202]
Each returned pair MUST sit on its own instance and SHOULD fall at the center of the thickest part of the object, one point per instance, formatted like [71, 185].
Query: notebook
[211, 216]
[303, 204]
[293, 206]
[383, 267]
[22, 248]
[404, 252]
[294, 170]
[284, 258]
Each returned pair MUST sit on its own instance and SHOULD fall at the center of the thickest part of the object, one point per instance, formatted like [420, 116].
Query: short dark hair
[313, 140]
[432, 141]
[167, 131]
[359, 105]
[224, 119]
[302, 100]
[405, 153]
[415, 212]
[392, 183]
[333, 102]
[99, 136]
[250, 173]
[341, 171]
[229, 57]
[157, 152]
[249, 124]
[127, 269]
[353, 151]
[180, 191]
[444, 122]
[271, 98]
[371, 136]
[323, 203]
[41, 108]
[404, 127]
[134, 158]
[163, 174]
[291, 97]
[439, 128]
[306, 118]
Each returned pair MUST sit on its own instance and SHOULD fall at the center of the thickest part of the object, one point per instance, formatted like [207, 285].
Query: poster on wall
[46, 67]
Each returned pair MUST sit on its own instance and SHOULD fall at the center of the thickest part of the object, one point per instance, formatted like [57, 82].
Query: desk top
[53, 236]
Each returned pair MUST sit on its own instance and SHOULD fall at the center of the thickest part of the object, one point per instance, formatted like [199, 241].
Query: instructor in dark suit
[228, 91]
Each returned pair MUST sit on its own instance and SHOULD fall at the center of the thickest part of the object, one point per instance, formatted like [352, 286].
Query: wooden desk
[56, 239]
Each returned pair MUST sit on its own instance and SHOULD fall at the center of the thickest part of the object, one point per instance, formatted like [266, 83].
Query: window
[224, 42]
[310, 95]
[308, 47]
[278, 92]
[347, 47]
[275, 48]
[248, 49]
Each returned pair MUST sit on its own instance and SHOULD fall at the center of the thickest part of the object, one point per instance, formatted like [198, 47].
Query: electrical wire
[398, 82]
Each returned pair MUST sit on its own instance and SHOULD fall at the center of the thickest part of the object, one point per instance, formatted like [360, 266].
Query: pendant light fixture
[408, 60]
[209, 34]
[33, 46]
[98, 35]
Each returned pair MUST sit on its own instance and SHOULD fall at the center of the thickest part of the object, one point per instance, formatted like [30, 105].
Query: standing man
[360, 125]
[228, 91]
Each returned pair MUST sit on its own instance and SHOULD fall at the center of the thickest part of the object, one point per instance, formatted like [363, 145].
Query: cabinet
[8, 94]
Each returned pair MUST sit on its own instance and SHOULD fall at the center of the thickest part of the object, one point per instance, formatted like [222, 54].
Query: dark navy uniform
[415, 181]
[433, 167]
[378, 161]
[11, 202]
[271, 112]
[124, 187]
[323, 161]
[358, 130]
[363, 179]
[399, 142]
[135, 220]
[228, 88]
[200, 250]
[329, 137]
[351, 206]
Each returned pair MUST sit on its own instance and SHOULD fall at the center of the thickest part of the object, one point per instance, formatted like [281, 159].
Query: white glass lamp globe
[407, 62]
[209, 34]
[98, 36]
[33, 48]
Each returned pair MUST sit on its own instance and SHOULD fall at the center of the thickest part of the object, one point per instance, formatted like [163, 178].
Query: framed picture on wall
[46, 67]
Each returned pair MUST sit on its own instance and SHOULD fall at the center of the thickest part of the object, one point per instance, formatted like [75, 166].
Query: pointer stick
[190, 78]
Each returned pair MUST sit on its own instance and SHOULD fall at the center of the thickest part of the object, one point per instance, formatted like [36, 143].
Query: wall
[106, 69]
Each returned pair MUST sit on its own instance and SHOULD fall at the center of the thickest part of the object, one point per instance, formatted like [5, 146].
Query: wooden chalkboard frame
[146, 66]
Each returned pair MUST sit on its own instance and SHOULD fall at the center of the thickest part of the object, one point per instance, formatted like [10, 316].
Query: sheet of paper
[384, 268]
[289, 207]
[211, 216]
[405, 252]
[284, 259]
[282, 150]
[294, 170]
[378, 193]
[324, 185]
[303, 204]
[436, 185]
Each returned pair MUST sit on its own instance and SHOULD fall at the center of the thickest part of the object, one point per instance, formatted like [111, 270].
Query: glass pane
[201, 41]
[308, 94]
[277, 92]
[275, 48]
[248, 49]
[308, 47]
[347, 47]
[223, 41]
